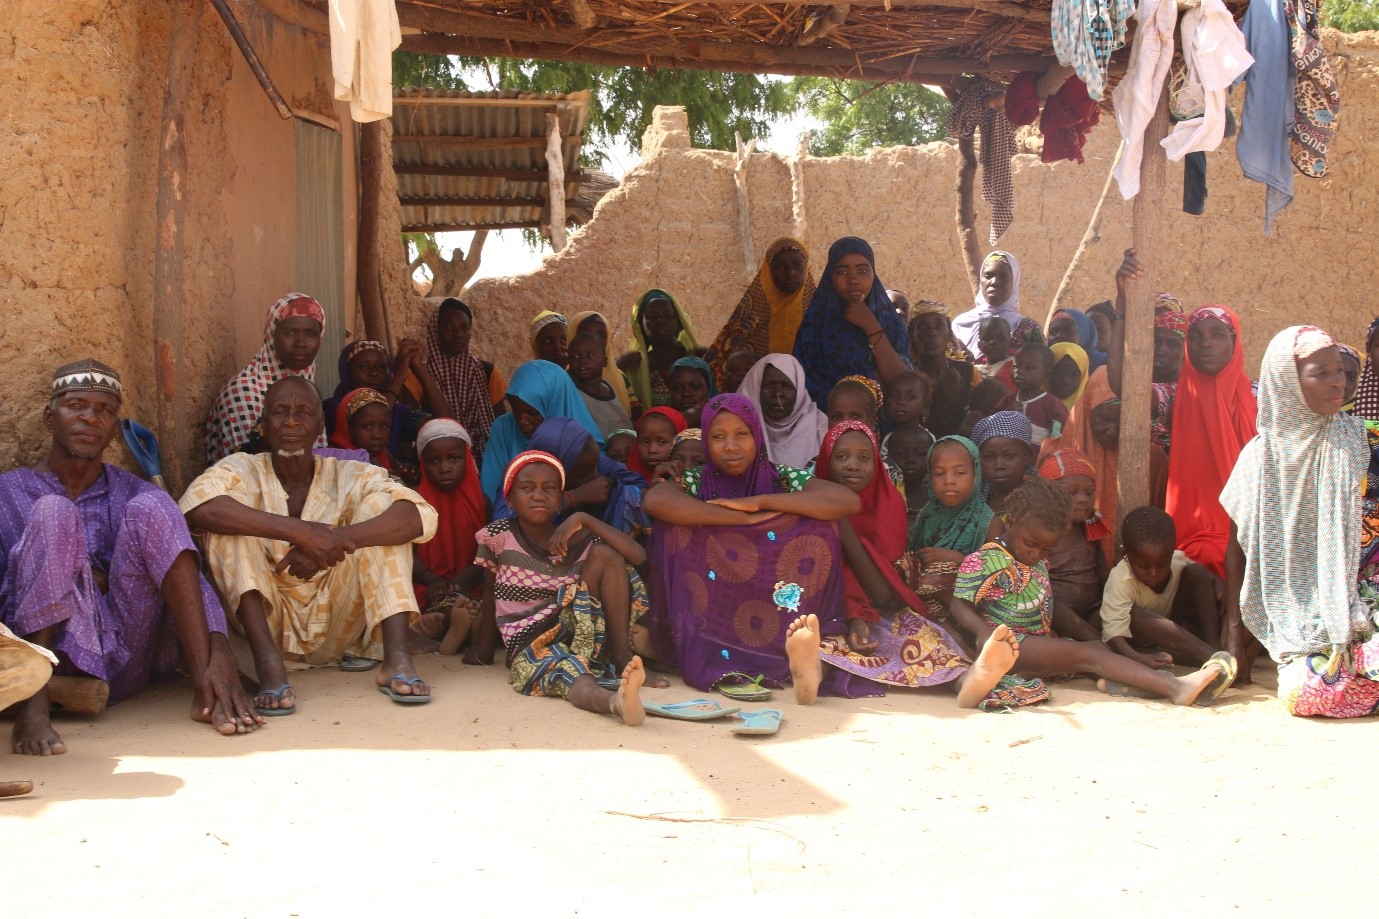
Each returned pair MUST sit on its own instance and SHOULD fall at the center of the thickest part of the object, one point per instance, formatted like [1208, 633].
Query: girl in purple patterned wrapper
[740, 579]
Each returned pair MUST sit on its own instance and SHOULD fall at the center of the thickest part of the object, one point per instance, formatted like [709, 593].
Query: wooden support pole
[1149, 227]
[170, 213]
[797, 213]
[744, 156]
[555, 163]
[966, 216]
[251, 57]
[374, 157]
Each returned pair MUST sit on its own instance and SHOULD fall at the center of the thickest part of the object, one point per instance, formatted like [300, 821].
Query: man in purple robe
[91, 557]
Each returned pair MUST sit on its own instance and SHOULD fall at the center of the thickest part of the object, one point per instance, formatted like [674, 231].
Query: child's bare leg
[995, 660]
[1198, 602]
[967, 618]
[1185, 647]
[1068, 624]
[802, 647]
[1043, 656]
[605, 573]
[626, 702]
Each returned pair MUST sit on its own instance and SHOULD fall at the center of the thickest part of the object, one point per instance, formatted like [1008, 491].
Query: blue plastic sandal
[408, 699]
[692, 710]
[278, 695]
[759, 722]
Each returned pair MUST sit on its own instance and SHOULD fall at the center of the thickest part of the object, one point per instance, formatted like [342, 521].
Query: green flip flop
[743, 688]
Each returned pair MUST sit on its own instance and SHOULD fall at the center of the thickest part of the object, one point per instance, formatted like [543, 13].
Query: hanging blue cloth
[1262, 147]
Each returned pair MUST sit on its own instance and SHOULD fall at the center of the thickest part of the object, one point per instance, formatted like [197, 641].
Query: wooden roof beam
[469, 143]
[465, 228]
[481, 172]
[746, 57]
[477, 202]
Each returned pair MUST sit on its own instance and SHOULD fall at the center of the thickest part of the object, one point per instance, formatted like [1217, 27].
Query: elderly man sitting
[313, 554]
[91, 556]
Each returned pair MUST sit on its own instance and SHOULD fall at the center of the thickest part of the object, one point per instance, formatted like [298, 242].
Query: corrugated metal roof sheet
[439, 155]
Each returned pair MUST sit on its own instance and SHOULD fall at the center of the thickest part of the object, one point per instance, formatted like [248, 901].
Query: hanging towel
[1085, 33]
[1262, 147]
[1215, 54]
[969, 114]
[1137, 95]
[363, 34]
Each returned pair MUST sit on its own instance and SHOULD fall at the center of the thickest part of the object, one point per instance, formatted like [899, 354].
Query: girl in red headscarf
[656, 430]
[1213, 419]
[887, 641]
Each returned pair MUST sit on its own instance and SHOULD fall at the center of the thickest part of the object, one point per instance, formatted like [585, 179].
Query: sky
[506, 253]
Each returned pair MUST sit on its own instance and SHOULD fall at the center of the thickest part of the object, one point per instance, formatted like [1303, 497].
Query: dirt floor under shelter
[485, 803]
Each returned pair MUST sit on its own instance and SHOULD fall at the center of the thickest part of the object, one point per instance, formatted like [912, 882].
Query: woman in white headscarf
[793, 424]
[1294, 502]
[998, 294]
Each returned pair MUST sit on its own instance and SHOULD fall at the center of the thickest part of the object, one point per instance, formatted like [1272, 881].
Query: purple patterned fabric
[49, 547]
[713, 610]
[761, 477]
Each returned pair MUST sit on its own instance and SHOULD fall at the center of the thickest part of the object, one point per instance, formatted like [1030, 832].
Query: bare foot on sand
[995, 660]
[34, 735]
[802, 647]
[430, 625]
[461, 621]
[1194, 684]
[627, 699]
[640, 638]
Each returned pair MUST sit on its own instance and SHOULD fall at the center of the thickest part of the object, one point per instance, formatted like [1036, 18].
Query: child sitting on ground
[1046, 413]
[858, 398]
[995, 361]
[907, 401]
[656, 431]
[1157, 596]
[909, 452]
[619, 444]
[588, 356]
[364, 421]
[689, 449]
[735, 369]
[1077, 566]
[1007, 450]
[558, 595]
[1006, 582]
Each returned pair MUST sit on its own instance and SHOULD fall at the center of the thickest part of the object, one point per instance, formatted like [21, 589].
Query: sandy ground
[486, 803]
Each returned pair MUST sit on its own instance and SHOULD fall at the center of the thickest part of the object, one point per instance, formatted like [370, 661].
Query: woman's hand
[859, 636]
[748, 505]
[1130, 270]
[860, 315]
[592, 493]
[934, 555]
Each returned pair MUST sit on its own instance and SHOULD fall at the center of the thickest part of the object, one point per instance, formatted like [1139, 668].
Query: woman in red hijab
[443, 569]
[1213, 419]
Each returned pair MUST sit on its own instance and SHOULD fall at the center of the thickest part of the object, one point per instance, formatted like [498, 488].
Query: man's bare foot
[34, 735]
[395, 673]
[627, 699]
[1194, 684]
[802, 647]
[15, 789]
[995, 660]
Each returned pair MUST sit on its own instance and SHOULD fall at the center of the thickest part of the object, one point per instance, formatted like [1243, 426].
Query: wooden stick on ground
[79, 695]
[16, 788]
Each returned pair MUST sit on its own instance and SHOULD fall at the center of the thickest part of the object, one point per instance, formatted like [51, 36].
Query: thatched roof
[864, 39]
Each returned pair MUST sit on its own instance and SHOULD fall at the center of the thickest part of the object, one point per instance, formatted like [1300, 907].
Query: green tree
[1351, 15]
[858, 116]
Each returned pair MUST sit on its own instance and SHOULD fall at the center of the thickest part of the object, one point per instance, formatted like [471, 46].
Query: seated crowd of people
[843, 492]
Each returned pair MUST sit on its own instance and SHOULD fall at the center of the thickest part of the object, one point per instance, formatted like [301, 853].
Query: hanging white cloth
[1137, 95]
[1215, 54]
[363, 34]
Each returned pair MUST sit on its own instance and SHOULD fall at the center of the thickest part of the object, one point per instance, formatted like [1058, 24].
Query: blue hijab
[565, 439]
[828, 346]
[1087, 337]
[549, 390]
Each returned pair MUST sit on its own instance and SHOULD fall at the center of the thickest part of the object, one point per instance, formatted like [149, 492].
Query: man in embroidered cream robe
[312, 554]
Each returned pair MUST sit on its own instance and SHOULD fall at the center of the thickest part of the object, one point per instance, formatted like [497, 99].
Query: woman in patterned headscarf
[291, 338]
[1367, 394]
[1295, 545]
[474, 388]
[771, 309]
[661, 335]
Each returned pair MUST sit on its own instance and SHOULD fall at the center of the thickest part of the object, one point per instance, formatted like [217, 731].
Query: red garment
[881, 526]
[1068, 115]
[1022, 99]
[1213, 419]
[341, 437]
[634, 460]
[461, 516]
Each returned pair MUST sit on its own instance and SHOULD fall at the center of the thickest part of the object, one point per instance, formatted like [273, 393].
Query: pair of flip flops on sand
[762, 721]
